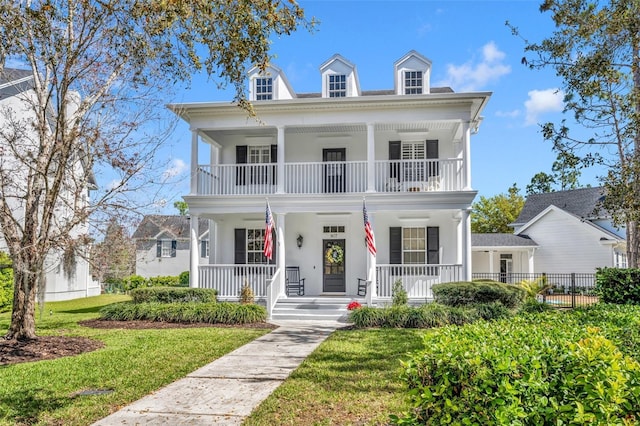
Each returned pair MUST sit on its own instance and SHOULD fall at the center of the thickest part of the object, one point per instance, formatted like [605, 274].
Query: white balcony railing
[332, 177]
[416, 279]
[229, 279]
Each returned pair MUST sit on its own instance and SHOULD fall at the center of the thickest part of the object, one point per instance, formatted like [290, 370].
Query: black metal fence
[565, 290]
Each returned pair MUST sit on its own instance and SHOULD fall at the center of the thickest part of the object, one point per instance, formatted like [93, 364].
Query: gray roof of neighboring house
[174, 225]
[583, 202]
[501, 240]
[7, 78]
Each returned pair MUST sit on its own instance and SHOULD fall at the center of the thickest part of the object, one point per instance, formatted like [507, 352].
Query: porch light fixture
[299, 241]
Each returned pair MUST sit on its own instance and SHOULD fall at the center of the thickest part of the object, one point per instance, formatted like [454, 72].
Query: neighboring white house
[15, 92]
[556, 232]
[315, 158]
[162, 245]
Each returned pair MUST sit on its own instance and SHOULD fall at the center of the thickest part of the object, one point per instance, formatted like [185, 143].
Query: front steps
[317, 308]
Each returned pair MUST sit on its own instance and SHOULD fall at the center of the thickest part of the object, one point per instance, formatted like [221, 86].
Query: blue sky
[471, 49]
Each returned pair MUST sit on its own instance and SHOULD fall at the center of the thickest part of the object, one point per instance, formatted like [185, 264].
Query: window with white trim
[413, 170]
[165, 248]
[259, 154]
[264, 88]
[255, 246]
[620, 260]
[413, 82]
[337, 85]
[413, 245]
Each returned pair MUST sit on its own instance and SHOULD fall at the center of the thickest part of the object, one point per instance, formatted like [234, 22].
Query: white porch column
[531, 261]
[466, 155]
[194, 252]
[281, 166]
[194, 161]
[457, 220]
[466, 245]
[371, 158]
[491, 252]
[213, 242]
[281, 260]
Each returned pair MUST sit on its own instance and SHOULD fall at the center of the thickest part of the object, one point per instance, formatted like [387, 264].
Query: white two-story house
[316, 158]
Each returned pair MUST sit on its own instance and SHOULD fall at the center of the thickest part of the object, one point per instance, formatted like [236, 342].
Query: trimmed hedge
[211, 313]
[466, 293]
[621, 286]
[425, 316]
[549, 368]
[173, 294]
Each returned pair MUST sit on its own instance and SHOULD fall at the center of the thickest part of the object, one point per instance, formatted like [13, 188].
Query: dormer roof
[281, 89]
[412, 61]
[334, 67]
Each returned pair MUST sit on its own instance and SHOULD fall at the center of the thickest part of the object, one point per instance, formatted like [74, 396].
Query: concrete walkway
[227, 390]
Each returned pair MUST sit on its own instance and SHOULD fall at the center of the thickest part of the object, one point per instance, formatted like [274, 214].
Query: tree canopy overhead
[101, 70]
[595, 50]
[495, 214]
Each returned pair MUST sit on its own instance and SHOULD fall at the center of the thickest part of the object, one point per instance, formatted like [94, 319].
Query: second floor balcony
[385, 176]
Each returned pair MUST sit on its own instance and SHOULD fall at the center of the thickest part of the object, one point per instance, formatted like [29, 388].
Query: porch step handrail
[274, 290]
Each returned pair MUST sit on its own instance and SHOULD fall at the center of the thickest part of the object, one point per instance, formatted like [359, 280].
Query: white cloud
[542, 101]
[114, 184]
[474, 75]
[176, 168]
[509, 114]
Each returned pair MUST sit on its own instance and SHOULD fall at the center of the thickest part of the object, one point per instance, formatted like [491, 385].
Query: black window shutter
[395, 245]
[394, 154]
[274, 169]
[240, 246]
[159, 248]
[174, 246]
[241, 158]
[432, 154]
[433, 245]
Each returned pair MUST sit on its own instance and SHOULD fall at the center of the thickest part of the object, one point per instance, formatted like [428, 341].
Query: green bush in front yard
[6, 283]
[195, 312]
[470, 293]
[549, 368]
[426, 316]
[172, 294]
[621, 286]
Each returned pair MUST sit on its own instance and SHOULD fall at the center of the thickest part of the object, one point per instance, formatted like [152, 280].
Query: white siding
[566, 244]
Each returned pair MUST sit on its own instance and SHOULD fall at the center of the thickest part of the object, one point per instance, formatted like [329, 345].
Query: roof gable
[583, 203]
[167, 226]
[339, 65]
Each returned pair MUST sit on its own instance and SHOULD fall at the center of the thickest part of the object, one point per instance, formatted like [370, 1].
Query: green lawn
[352, 378]
[133, 363]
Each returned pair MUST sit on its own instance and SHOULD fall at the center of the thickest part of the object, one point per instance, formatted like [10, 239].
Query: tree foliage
[595, 49]
[100, 76]
[115, 256]
[494, 214]
[565, 174]
[182, 206]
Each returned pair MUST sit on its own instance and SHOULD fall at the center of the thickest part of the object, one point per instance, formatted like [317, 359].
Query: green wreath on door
[335, 255]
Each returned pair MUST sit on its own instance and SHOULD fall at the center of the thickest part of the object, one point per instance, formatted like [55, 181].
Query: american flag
[268, 234]
[371, 241]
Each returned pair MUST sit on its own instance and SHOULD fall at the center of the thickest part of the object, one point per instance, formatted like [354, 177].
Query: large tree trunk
[633, 244]
[23, 322]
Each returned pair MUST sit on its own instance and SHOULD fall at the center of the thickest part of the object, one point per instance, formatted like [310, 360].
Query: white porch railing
[331, 177]
[229, 279]
[274, 290]
[416, 279]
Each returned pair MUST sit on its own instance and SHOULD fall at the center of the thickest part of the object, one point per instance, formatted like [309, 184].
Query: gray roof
[501, 240]
[175, 225]
[583, 203]
[9, 75]
[385, 92]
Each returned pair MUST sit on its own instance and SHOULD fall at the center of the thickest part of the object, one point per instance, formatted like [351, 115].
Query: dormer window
[413, 82]
[337, 85]
[264, 88]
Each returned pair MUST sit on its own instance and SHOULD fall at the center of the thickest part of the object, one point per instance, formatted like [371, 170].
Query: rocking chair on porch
[294, 284]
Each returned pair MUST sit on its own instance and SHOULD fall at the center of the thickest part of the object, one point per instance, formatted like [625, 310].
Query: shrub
[548, 368]
[134, 281]
[173, 295]
[399, 294]
[246, 295]
[621, 286]
[212, 313]
[470, 293]
[425, 316]
[533, 288]
[163, 281]
[183, 278]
